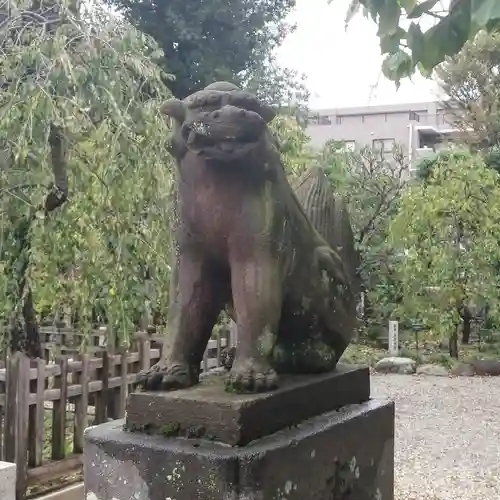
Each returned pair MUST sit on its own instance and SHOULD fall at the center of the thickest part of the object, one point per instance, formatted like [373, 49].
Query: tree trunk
[33, 347]
[466, 326]
[453, 344]
[23, 329]
[24, 334]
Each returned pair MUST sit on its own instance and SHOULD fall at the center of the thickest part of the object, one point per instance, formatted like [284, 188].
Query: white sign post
[393, 338]
[7, 481]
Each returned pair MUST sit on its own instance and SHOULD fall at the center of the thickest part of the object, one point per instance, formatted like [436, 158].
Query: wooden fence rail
[45, 407]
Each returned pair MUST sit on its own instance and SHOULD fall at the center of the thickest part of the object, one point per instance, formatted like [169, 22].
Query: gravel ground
[447, 436]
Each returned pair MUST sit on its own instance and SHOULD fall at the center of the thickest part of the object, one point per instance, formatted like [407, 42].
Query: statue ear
[174, 108]
[246, 100]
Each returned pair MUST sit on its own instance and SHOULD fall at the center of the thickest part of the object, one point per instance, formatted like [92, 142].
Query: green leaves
[416, 42]
[389, 16]
[417, 10]
[448, 230]
[426, 49]
[471, 82]
[408, 5]
[95, 78]
[371, 188]
[391, 44]
[484, 11]
[210, 40]
[397, 66]
[293, 143]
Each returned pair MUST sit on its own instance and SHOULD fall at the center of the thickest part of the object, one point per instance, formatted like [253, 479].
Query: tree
[293, 144]
[86, 77]
[277, 86]
[471, 82]
[215, 40]
[448, 231]
[492, 157]
[371, 185]
[409, 48]
[426, 165]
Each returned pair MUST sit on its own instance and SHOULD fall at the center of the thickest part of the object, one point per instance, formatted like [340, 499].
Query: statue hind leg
[203, 289]
[300, 347]
[315, 328]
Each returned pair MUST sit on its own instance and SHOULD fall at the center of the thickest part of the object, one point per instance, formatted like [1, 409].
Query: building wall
[374, 123]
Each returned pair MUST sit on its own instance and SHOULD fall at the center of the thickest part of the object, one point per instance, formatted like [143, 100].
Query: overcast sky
[343, 68]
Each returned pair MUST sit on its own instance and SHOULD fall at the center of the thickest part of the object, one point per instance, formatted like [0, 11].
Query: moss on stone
[305, 357]
[266, 342]
[170, 430]
[195, 431]
[145, 428]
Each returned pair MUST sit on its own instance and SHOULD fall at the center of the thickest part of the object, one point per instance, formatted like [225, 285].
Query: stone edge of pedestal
[240, 423]
[7, 481]
[115, 432]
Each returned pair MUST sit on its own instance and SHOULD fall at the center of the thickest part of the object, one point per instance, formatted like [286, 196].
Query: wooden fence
[46, 406]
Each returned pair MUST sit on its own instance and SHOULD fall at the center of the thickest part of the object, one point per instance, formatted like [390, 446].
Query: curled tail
[330, 217]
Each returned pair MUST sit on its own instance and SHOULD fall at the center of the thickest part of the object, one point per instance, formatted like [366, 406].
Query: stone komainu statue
[283, 261]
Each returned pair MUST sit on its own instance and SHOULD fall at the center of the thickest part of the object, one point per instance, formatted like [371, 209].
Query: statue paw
[167, 378]
[251, 376]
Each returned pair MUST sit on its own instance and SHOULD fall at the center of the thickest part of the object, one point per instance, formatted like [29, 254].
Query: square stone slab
[341, 455]
[208, 411]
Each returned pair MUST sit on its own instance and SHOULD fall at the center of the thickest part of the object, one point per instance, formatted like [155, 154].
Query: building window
[338, 120]
[385, 146]
[414, 116]
[324, 120]
[313, 119]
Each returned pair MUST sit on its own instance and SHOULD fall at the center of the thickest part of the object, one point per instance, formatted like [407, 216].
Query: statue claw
[163, 378]
[251, 376]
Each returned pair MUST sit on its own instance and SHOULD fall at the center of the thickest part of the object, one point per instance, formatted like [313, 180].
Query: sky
[343, 68]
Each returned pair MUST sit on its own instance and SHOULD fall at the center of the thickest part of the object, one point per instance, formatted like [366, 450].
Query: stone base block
[207, 410]
[7, 481]
[347, 454]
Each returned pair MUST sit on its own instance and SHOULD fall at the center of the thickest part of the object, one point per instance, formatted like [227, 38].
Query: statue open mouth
[226, 134]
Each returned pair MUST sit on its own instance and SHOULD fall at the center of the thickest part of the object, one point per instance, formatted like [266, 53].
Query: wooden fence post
[101, 398]
[144, 353]
[59, 412]
[81, 405]
[17, 417]
[124, 383]
[36, 419]
[3, 391]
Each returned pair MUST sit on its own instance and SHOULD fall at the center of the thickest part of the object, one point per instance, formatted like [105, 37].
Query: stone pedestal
[344, 453]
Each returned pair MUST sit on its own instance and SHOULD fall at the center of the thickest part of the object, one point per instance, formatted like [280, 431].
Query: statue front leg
[203, 288]
[257, 300]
